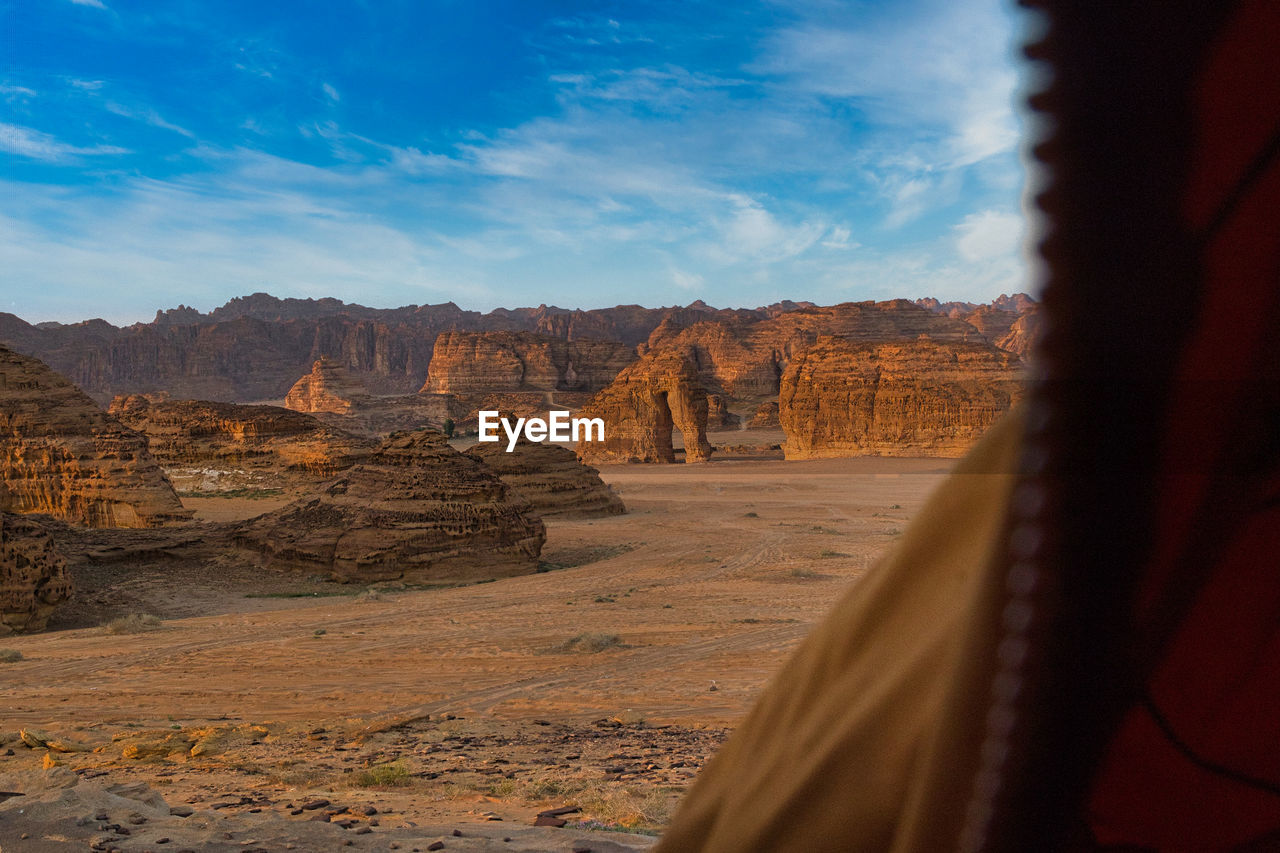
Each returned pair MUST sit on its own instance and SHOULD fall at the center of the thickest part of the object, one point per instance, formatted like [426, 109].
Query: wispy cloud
[28, 142]
[331, 93]
[146, 115]
[96, 4]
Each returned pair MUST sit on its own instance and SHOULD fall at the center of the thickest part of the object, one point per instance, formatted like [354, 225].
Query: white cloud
[146, 115]
[97, 4]
[989, 234]
[38, 145]
[17, 91]
[331, 93]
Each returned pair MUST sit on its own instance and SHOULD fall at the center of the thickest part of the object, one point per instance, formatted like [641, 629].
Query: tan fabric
[868, 736]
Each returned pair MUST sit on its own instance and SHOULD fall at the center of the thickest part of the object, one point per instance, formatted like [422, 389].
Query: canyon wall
[466, 363]
[916, 398]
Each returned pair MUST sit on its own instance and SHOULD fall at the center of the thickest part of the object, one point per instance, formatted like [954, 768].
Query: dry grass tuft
[134, 623]
[393, 775]
[10, 655]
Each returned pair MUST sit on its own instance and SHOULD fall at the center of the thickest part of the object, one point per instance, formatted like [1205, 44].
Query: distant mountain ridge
[255, 347]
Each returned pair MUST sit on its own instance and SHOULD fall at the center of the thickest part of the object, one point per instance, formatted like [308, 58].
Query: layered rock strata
[33, 575]
[485, 362]
[60, 454]
[920, 398]
[415, 510]
[640, 408]
[551, 478]
[204, 445]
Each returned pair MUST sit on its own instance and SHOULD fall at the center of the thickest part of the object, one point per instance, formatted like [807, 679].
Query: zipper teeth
[1026, 537]
[1019, 620]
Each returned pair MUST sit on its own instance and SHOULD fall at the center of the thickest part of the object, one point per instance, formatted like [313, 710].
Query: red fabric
[1217, 681]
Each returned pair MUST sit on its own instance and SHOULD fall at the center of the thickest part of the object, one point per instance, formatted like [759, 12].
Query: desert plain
[448, 716]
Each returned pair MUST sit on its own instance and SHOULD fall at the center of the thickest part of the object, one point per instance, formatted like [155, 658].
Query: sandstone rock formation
[919, 398]
[485, 362]
[1023, 333]
[551, 478]
[765, 417]
[207, 446]
[743, 359]
[327, 388]
[331, 393]
[660, 391]
[415, 510]
[62, 455]
[33, 575]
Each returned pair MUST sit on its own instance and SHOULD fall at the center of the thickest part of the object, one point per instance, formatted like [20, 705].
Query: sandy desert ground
[603, 682]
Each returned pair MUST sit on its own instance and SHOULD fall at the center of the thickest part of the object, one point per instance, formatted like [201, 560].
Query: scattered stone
[181, 811]
[436, 845]
[546, 820]
[311, 805]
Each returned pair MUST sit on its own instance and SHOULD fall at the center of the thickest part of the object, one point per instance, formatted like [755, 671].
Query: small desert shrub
[828, 554]
[751, 515]
[605, 599]
[804, 573]
[624, 809]
[134, 623]
[10, 655]
[591, 643]
[394, 775]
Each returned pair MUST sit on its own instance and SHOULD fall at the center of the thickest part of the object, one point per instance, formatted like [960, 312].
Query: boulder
[33, 575]
[416, 510]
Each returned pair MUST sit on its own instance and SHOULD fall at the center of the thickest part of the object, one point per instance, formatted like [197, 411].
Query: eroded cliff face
[640, 408]
[466, 363]
[33, 575]
[60, 454]
[212, 447]
[919, 398]
[415, 510]
[743, 360]
[551, 478]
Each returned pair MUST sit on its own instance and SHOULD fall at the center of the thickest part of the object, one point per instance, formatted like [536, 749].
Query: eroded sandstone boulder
[60, 454]
[204, 445]
[415, 510]
[640, 408]
[33, 575]
[919, 398]
[551, 478]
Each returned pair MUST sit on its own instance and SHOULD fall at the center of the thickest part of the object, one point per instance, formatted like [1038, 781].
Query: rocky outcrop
[331, 393]
[33, 575]
[743, 360]
[919, 398]
[486, 362]
[1023, 333]
[211, 447]
[765, 417]
[551, 478]
[660, 391]
[415, 510]
[60, 454]
[327, 388]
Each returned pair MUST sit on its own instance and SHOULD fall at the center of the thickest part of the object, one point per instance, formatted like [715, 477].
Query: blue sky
[583, 154]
